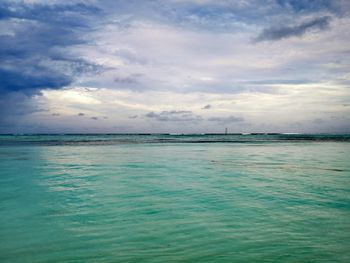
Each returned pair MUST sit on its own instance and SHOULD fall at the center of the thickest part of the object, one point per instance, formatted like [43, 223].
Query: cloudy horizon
[195, 66]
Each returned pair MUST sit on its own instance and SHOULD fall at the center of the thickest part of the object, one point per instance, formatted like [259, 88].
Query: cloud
[311, 5]
[131, 57]
[14, 108]
[123, 59]
[94, 118]
[207, 107]
[131, 82]
[226, 120]
[33, 52]
[36, 41]
[81, 114]
[126, 80]
[318, 121]
[174, 116]
[277, 33]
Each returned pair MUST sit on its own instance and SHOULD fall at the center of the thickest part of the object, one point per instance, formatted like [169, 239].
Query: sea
[175, 198]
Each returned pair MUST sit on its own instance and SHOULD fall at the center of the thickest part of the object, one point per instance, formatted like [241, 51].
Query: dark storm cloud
[33, 55]
[277, 33]
[48, 13]
[174, 116]
[230, 119]
[35, 52]
[17, 79]
[81, 114]
[94, 118]
[14, 107]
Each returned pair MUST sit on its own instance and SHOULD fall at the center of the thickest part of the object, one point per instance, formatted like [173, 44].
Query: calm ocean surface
[169, 198]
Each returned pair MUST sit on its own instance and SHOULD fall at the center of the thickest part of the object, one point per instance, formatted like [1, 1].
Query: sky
[174, 66]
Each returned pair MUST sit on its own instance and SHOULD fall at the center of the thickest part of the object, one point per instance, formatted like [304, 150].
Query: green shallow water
[175, 202]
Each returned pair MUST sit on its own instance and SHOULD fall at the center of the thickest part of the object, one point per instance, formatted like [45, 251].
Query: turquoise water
[159, 198]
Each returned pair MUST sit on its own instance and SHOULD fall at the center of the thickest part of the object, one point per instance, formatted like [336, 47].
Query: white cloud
[260, 111]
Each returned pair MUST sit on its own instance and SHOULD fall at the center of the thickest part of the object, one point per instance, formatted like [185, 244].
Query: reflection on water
[285, 202]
